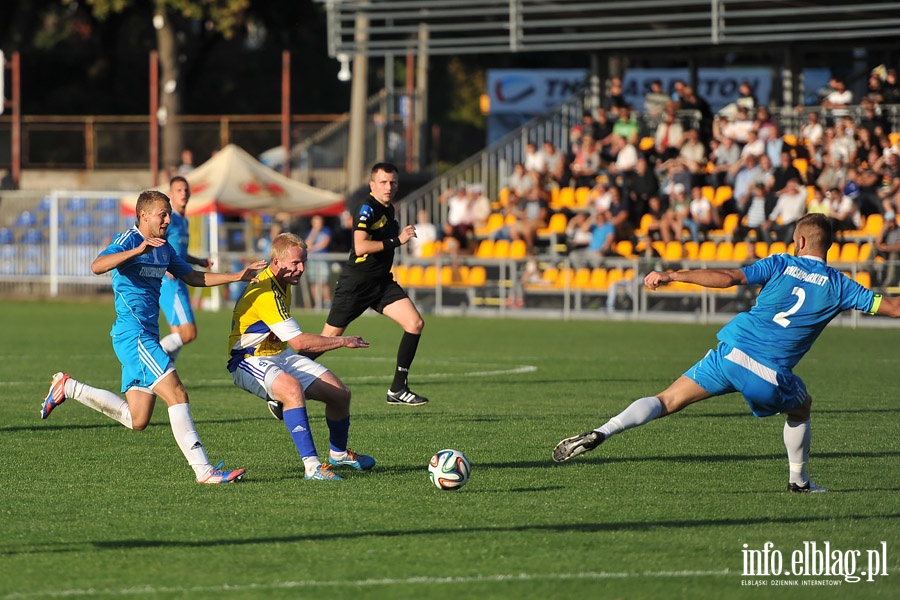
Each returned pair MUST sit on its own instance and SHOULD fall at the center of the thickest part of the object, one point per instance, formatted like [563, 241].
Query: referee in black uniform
[366, 280]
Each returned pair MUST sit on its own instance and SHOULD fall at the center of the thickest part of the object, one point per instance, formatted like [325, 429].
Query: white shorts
[256, 373]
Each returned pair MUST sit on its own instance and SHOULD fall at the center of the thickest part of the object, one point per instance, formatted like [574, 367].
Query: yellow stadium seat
[518, 249]
[501, 249]
[709, 192]
[644, 224]
[430, 277]
[707, 251]
[566, 198]
[557, 224]
[416, 275]
[777, 248]
[849, 252]
[503, 196]
[485, 249]
[864, 278]
[673, 251]
[731, 221]
[740, 252]
[477, 276]
[724, 250]
[565, 277]
[790, 139]
[598, 278]
[429, 249]
[581, 197]
[612, 276]
[874, 224]
[494, 223]
[894, 137]
[762, 249]
[865, 252]
[401, 275]
[582, 278]
[647, 142]
[691, 249]
[723, 194]
[802, 165]
[833, 253]
[624, 248]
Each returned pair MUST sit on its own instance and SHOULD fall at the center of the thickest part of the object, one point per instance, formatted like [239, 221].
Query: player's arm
[363, 244]
[200, 262]
[105, 263]
[887, 306]
[314, 343]
[204, 279]
[711, 278]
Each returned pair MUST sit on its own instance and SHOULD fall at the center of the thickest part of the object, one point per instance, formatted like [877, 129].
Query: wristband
[391, 243]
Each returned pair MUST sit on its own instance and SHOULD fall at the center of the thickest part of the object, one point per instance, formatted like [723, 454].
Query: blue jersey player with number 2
[758, 349]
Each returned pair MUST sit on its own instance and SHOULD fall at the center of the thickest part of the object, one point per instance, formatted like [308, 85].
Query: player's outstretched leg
[577, 444]
[405, 397]
[220, 475]
[56, 395]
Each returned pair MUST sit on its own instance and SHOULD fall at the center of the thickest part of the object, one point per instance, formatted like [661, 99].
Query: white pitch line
[364, 583]
[511, 371]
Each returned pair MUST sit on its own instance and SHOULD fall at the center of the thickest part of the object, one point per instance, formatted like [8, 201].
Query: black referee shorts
[355, 293]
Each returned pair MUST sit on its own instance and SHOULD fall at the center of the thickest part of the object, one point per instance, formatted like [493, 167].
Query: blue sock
[297, 424]
[338, 433]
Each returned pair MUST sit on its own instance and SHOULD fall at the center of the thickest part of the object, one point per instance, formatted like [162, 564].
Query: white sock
[103, 401]
[639, 412]
[172, 344]
[310, 464]
[797, 435]
[186, 436]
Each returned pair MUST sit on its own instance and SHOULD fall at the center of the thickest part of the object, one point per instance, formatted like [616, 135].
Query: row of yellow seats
[596, 279]
[849, 252]
[427, 276]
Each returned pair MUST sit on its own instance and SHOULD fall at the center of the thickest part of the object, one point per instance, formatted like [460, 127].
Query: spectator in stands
[654, 224]
[678, 90]
[586, 164]
[843, 143]
[669, 135]
[872, 118]
[626, 157]
[842, 211]
[618, 213]
[833, 173]
[767, 172]
[677, 216]
[616, 102]
[602, 244]
[533, 159]
[776, 145]
[887, 246]
[578, 237]
[817, 204]
[318, 239]
[755, 145]
[812, 132]
[723, 156]
[703, 217]
[691, 101]
[888, 170]
[745, 172]
[531, 275]
[655, 100]
[737, 127]
[626, 126]
[753, 214]
[890, 88]
[520, 182]
[836, 104]
[602, 127]
[341, 240]
[784, 172]
[790, 206]
[426, 233]
[458, 226]
[691, 158]
[187, 162]
[591, 127]
[479, 206]
[555, 164]
[531, 214]
[764, 125]
[642, 185]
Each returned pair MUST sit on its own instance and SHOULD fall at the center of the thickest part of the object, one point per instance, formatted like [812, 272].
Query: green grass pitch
[90, 509]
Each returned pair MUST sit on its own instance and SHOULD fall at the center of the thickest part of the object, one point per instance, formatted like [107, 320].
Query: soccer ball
[449, 469]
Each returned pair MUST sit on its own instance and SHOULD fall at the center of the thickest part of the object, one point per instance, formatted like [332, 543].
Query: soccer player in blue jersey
[263, 359]
[174, 299]
[758, 349]
[139, 259]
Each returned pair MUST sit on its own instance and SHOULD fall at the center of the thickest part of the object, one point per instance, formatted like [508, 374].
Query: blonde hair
[146, 200]
[284, 242]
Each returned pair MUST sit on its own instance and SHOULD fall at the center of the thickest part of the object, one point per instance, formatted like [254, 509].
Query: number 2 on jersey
[782, 317]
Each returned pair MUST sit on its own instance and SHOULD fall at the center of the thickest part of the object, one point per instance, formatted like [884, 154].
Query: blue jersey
[799, 297]
[136, 282]
[177, 234]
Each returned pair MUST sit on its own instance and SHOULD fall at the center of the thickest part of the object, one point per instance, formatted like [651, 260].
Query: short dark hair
[384, 166]
[176, 179]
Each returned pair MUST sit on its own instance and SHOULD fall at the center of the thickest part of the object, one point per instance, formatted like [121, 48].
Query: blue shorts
[144, 362]
[767, 391]
[175, 301]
